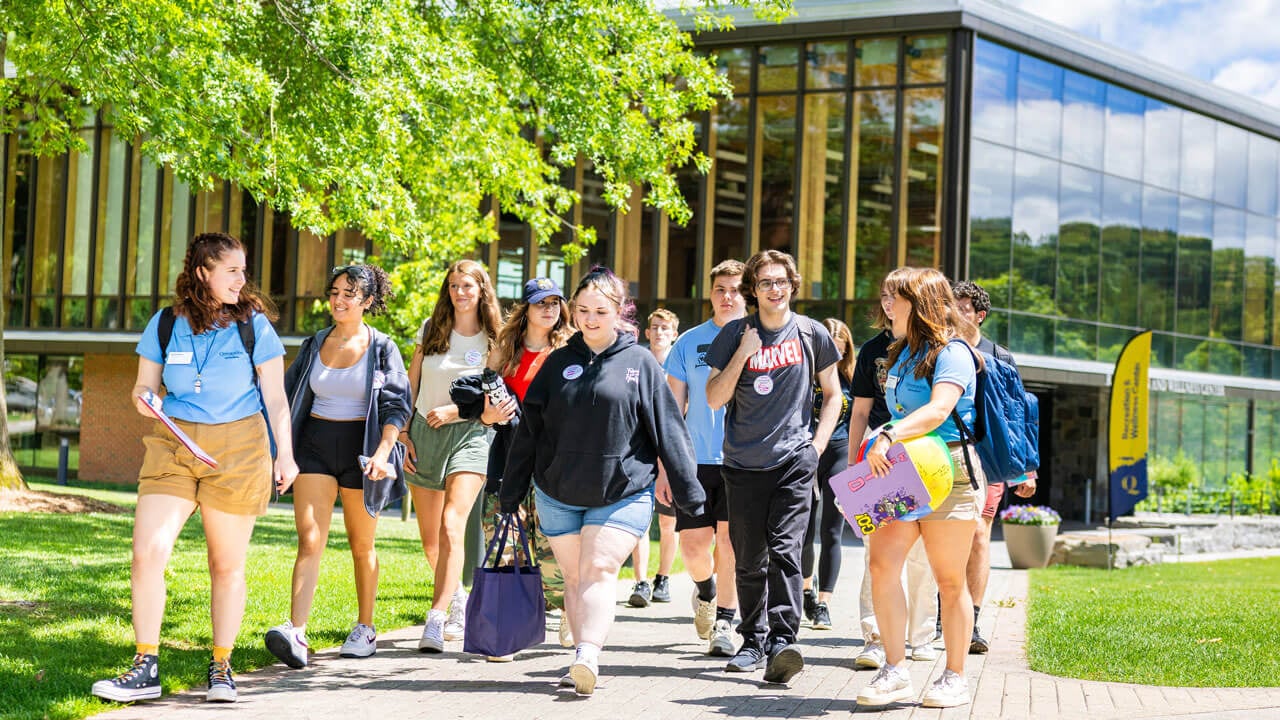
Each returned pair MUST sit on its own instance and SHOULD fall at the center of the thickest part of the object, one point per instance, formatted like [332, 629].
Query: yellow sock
[145, 649]
[221, 654]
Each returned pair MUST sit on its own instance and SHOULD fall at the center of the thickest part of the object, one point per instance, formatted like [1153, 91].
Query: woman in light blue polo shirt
[215, 395]
[932, 378]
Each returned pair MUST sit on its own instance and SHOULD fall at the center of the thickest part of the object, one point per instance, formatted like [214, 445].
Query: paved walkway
[654, 669]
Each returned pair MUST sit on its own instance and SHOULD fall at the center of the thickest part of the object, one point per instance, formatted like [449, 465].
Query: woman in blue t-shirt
[215, 395]
[930, 380]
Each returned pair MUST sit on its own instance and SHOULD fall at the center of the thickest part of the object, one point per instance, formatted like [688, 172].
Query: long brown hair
[844, 343]
[192, 297]
[509, 347]
[933, 320]
[436, 338]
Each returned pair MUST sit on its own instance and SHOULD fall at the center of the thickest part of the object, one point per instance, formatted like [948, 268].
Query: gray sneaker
[361, 643]
[871, 657]
[456, 625]
[890, 685]
[641, 594]
[721, 644]
[287, 645]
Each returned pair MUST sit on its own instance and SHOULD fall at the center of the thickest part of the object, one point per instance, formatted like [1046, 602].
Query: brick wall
[111, 429]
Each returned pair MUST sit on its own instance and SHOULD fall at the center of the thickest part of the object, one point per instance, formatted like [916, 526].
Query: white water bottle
[491, 384]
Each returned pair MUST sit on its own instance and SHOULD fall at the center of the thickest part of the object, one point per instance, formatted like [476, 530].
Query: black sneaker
[821, 617]
[785, 662]
[140, 682]
[748, 659]
[810, 604]
[978, 645]
[222, 688]
[641, 594]
[662, 589]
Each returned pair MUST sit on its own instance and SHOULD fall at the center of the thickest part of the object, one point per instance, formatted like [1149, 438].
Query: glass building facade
[1096, 211]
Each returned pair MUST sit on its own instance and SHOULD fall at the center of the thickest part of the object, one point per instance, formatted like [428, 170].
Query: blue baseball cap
[539, 289]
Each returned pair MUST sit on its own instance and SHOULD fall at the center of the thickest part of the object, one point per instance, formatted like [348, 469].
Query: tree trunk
[10, 476]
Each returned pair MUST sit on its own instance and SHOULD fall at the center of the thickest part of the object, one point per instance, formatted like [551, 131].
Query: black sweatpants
[828, 521]
[768, 516]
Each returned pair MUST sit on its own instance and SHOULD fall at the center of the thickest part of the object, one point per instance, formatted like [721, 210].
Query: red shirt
[530, 363]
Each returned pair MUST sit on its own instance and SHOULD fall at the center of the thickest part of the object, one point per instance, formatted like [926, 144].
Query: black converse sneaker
[140, 682]
[222, 688]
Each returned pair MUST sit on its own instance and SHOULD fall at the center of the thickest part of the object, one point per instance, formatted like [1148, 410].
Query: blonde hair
[844, 343]
[664, 314]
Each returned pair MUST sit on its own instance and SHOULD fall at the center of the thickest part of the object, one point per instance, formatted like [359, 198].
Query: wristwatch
[887, 431]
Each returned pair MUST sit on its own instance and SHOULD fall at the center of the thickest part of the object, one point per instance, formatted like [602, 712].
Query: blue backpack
[1006, 427]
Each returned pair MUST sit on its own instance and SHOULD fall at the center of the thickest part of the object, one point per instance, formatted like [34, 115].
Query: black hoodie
[594, 428]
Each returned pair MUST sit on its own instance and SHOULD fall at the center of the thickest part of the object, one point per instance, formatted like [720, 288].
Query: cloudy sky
[1232, 43]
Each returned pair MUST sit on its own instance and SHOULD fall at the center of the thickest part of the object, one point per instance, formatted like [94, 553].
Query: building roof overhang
[1008, 25]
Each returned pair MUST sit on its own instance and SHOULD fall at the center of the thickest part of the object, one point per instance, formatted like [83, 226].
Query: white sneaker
[704, 615]
[721, 644]
[890, 685]
[457, 622]
[871, 657]
[924, 653]
[584, 672]
[361, 643]
[289, 646]
[433, 633]
[566, 632]
[947, 691]
[501, 658]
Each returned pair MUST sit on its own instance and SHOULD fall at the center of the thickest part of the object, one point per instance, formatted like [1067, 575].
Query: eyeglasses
[767, 285]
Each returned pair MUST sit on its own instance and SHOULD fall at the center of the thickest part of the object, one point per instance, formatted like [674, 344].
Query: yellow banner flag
[1130, 413]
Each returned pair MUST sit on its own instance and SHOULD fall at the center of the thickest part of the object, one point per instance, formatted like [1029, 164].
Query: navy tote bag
[506, 611]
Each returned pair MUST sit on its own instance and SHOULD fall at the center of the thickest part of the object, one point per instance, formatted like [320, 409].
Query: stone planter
[1030, 546]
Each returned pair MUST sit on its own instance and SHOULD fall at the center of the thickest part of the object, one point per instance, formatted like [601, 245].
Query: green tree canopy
[392, 116]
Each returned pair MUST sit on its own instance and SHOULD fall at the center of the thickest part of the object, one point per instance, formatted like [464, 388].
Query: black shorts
[333, 448]
[717, 507]
[662, 508]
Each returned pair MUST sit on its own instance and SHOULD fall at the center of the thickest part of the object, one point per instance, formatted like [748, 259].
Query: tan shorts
[965, 501]
[240, 485]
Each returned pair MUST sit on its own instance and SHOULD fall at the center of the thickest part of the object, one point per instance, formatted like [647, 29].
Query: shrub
[1030, 515]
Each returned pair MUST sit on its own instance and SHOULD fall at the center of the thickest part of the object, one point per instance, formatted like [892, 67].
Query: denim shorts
[631, 514]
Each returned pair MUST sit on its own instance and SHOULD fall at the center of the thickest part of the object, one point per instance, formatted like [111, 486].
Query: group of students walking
[731, 432]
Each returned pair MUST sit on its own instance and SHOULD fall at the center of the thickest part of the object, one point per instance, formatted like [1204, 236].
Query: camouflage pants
[552, 580]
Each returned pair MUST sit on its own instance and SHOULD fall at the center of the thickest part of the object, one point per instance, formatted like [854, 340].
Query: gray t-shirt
[767, 421]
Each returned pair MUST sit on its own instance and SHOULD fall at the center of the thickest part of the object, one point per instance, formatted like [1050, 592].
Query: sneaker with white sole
[433, 633]
[947, 691]
[924, 653]
[222, 687]
[890, 685]
[821, 617]
[871, 657]
[456, 624]
[140, 682]
[361, 643]
[704, 615]
[287, 644]
[584, 672]
[501, 658]
[566, 680]
[721, 644]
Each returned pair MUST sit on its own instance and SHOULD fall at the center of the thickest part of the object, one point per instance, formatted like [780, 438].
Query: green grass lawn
[1191, 624]
[64, 600]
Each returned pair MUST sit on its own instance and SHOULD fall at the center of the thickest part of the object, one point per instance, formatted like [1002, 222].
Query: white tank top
[465, 356]
[340, 392]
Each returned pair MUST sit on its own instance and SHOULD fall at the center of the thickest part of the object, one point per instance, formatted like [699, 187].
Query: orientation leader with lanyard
[929, 379]
[212, 396]
[349, 398]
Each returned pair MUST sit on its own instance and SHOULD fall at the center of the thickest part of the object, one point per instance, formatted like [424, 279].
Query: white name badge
[572, 372]
[891, 382]
[473, 357]
[178, 358]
